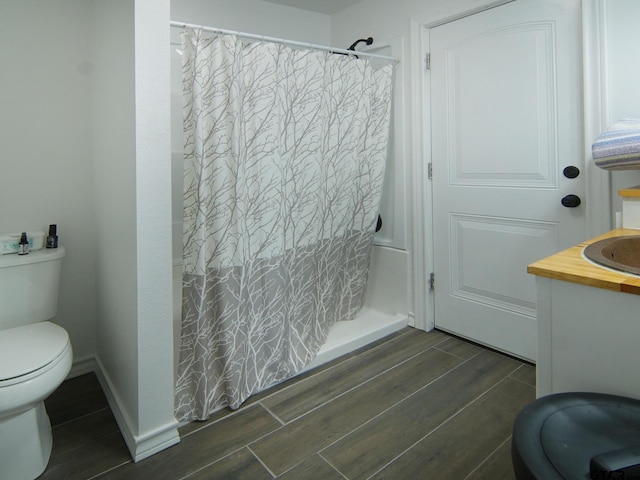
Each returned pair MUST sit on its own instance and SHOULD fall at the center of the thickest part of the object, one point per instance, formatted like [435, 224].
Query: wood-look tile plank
[497, 467]
[191, 427]
[310, 433]
[526, 373]
[88, 460]
[240, 465]
[82, 431]
[315, 390]
[460, 348]
[367, 449]
[462, 443]
[313, 468]
[74, 398]
[297, 379]
[201, 448]
[77, 385]
[369, 346]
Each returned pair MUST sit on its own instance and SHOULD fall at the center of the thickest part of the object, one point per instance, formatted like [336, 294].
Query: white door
[506, 94]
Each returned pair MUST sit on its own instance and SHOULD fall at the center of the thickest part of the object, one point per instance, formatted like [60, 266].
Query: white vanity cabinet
[588, 339]
[588, 325]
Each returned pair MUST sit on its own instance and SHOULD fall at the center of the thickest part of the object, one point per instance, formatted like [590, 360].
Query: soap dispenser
[52, 238]
[23, 244]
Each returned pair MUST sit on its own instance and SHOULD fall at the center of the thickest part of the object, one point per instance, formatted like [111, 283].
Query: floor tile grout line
[487, 458]
[440, 349]
[457, 412]
[332, 466]
[106, 407]
[276, 417]
[437, 346]
[347, 356]
[248, 447]
[261, 404]
[522, 381]
[230, 414]
[371, 419]
[402, 400]
[367, 381]
[97, 475]
[191, 474]
[255, 455]
[97, 440]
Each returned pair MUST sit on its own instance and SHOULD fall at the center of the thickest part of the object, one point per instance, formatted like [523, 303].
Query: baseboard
[82, 366]
[140, 446]
[411, 322]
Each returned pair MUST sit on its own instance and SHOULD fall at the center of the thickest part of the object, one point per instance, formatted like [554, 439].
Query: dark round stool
[577, 436]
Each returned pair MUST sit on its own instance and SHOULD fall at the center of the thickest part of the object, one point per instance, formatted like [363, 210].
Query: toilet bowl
[35, 358]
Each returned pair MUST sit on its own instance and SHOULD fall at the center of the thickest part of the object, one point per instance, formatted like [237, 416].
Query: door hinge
[427, 61]
[432, 281]
[430, 170]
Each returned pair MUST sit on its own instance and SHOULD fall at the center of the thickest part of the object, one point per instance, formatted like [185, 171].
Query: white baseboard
[82, 366]
[140, 446]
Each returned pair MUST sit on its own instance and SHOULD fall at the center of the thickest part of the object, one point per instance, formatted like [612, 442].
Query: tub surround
[587, 322]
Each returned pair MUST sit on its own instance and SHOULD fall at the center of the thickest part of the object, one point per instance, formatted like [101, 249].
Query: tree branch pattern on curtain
[284, 157]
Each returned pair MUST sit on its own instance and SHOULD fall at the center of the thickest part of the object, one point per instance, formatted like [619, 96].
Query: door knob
[571, 201]
[571, 171]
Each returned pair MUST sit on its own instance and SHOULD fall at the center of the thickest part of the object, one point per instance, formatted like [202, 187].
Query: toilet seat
[25, 351]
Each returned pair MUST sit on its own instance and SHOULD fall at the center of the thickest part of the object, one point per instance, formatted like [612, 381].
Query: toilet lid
[28, 348]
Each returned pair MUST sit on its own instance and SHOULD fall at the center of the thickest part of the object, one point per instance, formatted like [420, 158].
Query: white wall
[133, 217]
[623, 77]
[45, 144]
[115, 200]
[156, 423]
[84, 143]
[254, 16]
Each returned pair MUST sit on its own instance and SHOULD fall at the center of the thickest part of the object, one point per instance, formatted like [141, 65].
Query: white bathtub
[384, 313]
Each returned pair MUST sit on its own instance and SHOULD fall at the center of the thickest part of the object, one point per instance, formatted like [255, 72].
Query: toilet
[35, 358]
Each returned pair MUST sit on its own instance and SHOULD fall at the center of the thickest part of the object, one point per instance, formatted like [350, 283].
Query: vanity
[588, 324]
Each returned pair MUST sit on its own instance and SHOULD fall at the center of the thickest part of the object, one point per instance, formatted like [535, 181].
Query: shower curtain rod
[283, 41]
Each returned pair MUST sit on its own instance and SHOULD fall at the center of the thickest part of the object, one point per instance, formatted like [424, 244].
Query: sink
[619, 253]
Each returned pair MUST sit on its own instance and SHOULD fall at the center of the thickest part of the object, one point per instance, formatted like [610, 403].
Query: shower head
[368, 41]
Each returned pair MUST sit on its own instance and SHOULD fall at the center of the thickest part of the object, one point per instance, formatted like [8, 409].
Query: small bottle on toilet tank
[52, 238]
[23, 244]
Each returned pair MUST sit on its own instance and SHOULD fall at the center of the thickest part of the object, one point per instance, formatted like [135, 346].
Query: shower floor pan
[345, 337]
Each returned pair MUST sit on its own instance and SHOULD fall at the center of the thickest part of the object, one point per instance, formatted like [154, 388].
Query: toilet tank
[29, 286]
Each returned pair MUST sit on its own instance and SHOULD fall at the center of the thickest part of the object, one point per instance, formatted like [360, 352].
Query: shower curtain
[284, 156]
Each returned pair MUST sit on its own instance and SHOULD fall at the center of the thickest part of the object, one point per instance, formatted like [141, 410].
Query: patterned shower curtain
[284, 156]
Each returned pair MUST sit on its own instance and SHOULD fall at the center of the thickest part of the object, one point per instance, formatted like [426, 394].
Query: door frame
[597, 181]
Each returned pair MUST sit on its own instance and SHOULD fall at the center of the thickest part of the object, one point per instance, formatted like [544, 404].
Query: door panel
[506, 119]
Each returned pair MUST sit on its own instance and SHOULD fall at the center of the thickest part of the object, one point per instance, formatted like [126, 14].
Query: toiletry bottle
[23, 244]
[52, 238]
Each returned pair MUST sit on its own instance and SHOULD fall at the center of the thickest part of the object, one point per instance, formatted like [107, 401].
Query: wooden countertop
[570, 266]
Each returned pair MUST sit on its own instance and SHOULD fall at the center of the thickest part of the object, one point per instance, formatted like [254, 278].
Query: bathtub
[385, 310]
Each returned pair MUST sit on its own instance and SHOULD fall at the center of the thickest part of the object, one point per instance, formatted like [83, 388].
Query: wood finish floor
[414, 406]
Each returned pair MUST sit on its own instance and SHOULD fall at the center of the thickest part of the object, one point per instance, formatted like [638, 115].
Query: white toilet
[35, 357]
